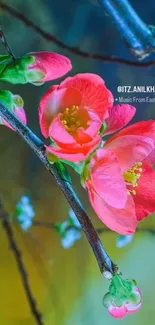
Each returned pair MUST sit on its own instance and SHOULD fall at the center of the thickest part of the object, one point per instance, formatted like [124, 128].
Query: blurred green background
[66, 283]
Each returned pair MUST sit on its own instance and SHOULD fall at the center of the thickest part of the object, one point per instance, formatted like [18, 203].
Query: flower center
[75, 118]
[132, 176]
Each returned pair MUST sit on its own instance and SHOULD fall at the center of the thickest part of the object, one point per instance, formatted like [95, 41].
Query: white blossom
[25, 213]
[70, 237]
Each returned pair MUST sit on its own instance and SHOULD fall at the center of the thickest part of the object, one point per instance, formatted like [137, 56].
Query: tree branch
[83, 54]
[104, 261]
[135, 32]
[19, 260]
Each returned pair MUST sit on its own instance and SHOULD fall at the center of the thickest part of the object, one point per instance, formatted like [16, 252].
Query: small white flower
[123, 241]
[25, 223]
[70, 237]
[24, 200]
[25, 213]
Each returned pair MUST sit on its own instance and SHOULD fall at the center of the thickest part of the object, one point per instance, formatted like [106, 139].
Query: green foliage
[7, 98]
[52, 158]
[15, 71]
[103, 128]
[5, 60]
[63, 172]
[78, 167]
[123, 290]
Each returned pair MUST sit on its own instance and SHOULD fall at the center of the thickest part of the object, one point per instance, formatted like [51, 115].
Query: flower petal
[144, 128]
[122, 221]
[54, 64]
[54, 101]
[145, 194]
[20, 112]
[94, 92]
[86, 135]
[130, 149]
[107, 179]
[133, 309]
[60, 135]
[75, 154]
[117, 312]
[119, 116]
[150, 159]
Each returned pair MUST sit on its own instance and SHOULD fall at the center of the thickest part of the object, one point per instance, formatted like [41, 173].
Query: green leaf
[7, 98]
[63, 172]
[4, 57]
[103, 128]
[16, 71]
[85, 175]
[78, 167]
[52, 158]
[62, 227]
[4, 61]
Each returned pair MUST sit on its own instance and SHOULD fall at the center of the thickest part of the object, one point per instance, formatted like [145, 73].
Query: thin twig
[53, 226]
[44, 224]
[104, 261]
[74, 50]
[5, 43]
[19, 260]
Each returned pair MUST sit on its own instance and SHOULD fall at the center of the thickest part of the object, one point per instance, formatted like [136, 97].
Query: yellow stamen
[131, 192]
[132, 176]
[73, 118]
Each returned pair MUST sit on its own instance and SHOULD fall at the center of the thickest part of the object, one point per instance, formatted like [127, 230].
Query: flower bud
[123, 297]
[15, 104]
[36, 68]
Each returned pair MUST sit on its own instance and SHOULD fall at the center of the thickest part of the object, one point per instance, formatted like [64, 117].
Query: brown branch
[74, 50]
[19, 260]
[104, 261]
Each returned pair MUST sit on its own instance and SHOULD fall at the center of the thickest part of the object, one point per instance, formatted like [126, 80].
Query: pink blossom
[121, 182]
[16, 106]
[47, 66]
[72, 113]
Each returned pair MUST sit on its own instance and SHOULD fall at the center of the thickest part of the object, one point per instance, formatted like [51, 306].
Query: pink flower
[47, 66]
[121, 182]
[72, 114]
[144, 199]
[123, 297]
[15, 104]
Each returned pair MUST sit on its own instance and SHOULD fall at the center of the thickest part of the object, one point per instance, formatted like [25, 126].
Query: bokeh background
[67, 283]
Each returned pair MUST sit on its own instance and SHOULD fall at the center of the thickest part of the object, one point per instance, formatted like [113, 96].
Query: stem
[104, 261]
[19, 260]
[5, 43]
[50, 225]
[134, 31]
[44, 224]
[74, 50]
